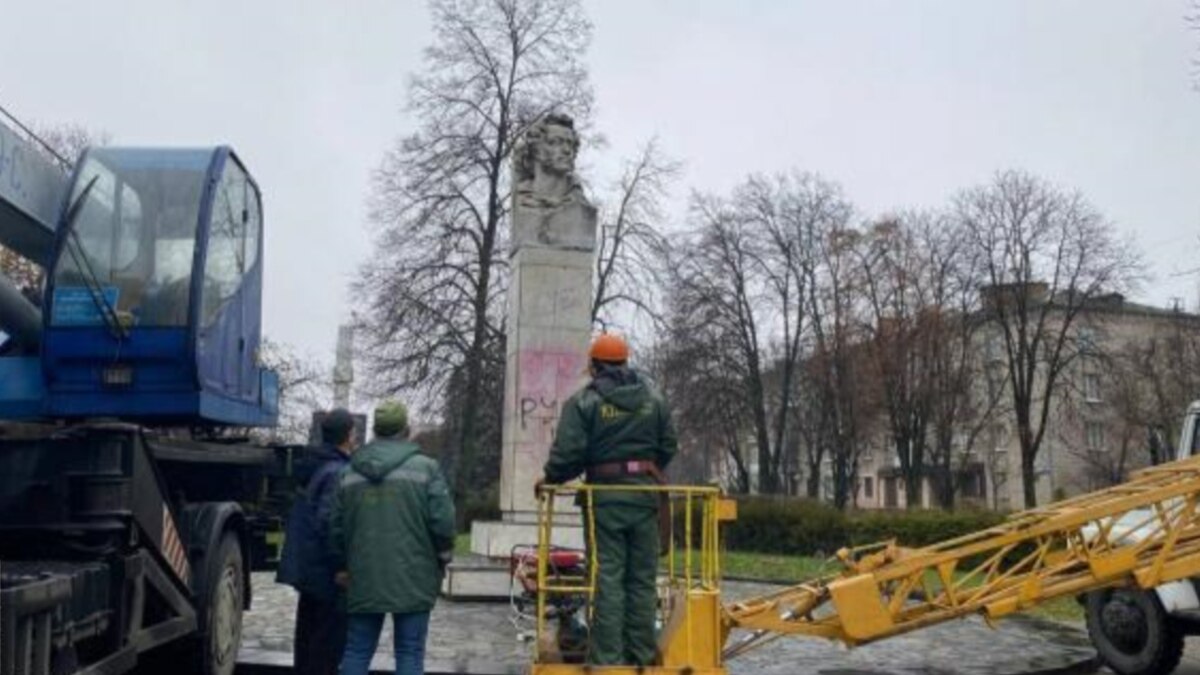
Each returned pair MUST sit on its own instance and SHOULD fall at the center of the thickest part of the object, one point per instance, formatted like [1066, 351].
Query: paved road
[482, 638]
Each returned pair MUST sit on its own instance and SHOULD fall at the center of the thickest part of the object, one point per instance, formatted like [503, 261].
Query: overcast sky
[903, 103]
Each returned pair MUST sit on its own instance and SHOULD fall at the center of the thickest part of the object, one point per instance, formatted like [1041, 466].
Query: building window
[972, 483]
[868, 487]
[1095, 436]
[995, 376]
[1085, 340]
[891, 499]
[1091, 387]
[992, 350]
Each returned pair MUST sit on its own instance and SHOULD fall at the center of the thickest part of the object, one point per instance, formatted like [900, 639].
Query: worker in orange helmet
[617, 431]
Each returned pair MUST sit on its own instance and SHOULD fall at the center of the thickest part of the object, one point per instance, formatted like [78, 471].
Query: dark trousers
[626, 600]
[320, 636]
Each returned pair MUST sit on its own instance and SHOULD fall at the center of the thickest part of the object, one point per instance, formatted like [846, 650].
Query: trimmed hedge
[919, 528]
[805, 527]
[789, 526]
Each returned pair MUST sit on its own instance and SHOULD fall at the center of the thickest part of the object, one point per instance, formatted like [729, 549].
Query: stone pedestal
[548, 331]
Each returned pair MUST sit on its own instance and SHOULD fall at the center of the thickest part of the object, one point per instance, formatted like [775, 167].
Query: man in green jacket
[392, 534]
[618, 431]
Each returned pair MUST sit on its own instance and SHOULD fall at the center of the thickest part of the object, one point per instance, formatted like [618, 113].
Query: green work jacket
[619, 416]
[392, 528]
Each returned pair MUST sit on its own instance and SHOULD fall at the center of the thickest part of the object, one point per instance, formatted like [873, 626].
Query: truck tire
[214, 651]
[1132, 632]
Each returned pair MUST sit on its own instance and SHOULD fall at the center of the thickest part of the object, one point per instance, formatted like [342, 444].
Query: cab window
[129, 247]
[231, 246]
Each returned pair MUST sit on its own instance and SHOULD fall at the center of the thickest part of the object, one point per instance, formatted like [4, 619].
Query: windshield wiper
[84, 264]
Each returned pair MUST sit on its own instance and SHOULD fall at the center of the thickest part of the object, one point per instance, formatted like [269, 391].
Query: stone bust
[544, 166]
[550, 209]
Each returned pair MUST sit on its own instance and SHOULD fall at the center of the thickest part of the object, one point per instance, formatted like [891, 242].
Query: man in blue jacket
[307, 563]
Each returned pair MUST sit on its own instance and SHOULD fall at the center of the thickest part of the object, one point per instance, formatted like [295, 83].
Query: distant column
[343, 367]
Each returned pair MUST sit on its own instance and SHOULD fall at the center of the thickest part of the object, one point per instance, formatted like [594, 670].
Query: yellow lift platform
[1137, 535]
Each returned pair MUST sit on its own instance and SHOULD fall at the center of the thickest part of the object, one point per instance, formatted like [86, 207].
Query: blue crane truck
[133, 505]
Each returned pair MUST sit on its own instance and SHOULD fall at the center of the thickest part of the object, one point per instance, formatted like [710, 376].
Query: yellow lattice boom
[1141, 533]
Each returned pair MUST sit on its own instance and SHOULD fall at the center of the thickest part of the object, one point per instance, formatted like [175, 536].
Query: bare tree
[845, 395]
[965, 392]
[900, 281]
[23, 272]
[432, 292]
[304, 387]
[1108, 448]
[631, 259]
[791, 212]
[717, 290]
[67, 142]
[1151, 379]
[1045, 254]
[699, 374]
[742, 282]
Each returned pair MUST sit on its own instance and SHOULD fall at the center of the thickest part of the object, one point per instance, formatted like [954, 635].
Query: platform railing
[690, 558]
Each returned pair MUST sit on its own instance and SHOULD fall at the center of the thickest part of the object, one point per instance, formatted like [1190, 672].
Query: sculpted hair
[525, 154]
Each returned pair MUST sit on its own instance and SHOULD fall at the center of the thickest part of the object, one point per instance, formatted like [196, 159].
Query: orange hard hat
[609, 347]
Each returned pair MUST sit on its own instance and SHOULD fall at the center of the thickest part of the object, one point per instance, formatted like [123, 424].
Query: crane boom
[1141, 533]
[31, 193]
[1139, 536]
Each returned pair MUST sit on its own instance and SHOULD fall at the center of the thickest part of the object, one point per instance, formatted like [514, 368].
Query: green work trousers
[627, 555]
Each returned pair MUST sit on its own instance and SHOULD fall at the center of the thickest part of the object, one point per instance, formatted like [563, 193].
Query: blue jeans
[362, 637]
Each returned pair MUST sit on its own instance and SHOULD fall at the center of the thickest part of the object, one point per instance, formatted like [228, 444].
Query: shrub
[804, 527]
[915, 529]
[479, 505]
[791, 526]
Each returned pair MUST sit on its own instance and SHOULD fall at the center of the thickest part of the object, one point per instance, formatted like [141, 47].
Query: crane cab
[152, 307]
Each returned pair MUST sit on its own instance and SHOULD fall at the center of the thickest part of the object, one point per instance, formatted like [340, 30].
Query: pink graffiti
[547, 377]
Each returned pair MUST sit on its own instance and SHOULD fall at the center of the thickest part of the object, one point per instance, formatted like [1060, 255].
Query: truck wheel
[221, 633]
[1132, 632]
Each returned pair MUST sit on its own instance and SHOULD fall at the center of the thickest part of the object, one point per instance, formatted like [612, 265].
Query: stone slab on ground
[474, 637]
[478, 579]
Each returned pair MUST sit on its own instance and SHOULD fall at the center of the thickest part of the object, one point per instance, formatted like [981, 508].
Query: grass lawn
[462, 544]
[1059, 609]
[774, 567]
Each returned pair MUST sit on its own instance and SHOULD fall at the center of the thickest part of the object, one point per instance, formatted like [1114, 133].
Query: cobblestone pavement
[481, 638]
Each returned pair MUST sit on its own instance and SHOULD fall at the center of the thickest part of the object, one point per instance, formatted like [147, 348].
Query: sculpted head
[549, 146]
[550, 207]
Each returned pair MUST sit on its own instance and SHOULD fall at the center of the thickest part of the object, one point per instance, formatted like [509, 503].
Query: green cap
[391, 418]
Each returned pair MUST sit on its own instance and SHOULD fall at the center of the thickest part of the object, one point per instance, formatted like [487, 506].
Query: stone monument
[552, 248]
[343, 367]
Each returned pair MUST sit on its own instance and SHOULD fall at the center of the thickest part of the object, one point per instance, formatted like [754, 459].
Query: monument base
[478, 579]
[487, 574]
[497, 539]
